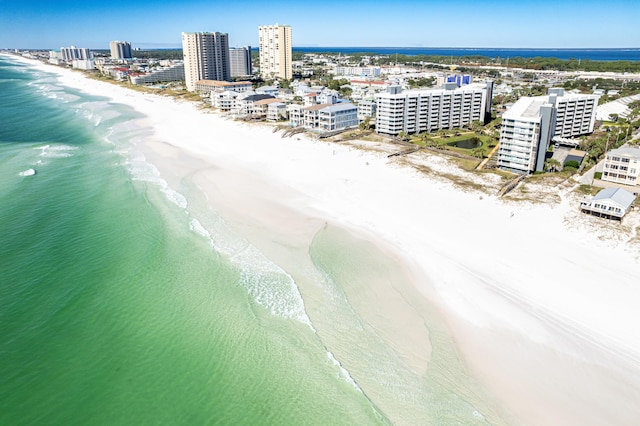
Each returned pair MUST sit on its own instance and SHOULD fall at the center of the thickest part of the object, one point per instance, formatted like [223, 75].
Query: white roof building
[529, 126]
[622, 165]
[610, 203]
[426, 110]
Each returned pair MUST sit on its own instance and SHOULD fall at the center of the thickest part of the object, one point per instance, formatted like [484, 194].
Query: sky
[401, 23]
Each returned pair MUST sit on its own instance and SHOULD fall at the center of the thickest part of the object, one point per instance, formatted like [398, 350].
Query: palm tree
[552, 165]
[366, 124]
[479, 152]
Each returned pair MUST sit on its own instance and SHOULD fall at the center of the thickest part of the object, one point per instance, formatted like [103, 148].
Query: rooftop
[216, 83]
[268, 101]
[627, 152]
[617, 195]
[526, 109]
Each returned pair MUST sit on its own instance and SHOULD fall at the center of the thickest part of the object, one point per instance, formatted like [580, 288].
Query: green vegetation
[337, 85]
[624, 88]
[537, 63]
[552, 165]
[572, 164]
[421, 82]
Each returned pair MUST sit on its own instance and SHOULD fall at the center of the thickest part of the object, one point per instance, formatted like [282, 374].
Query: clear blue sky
[52, 24]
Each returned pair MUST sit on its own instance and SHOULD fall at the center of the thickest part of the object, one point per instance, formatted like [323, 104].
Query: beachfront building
[208, 86]
[173, 72]
[249, 105]
[276, 111]
[120, 50]
[72, 53]
[529, 126]
[330, 117]
[206, 57]
[83, 64]
[428, 110]
[261, 107]
[610, 203]
[366, 109]
[224, 100]
[275, 51]
[240, 61]
[296, 114]
[525, 134]
[622, 165]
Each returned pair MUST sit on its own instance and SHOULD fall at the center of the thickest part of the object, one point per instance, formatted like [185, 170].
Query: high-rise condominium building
[275, 51]
[73, 53]
[206, 57]
[120, 50]
[240, 60]
[427, 110]
[529, 126]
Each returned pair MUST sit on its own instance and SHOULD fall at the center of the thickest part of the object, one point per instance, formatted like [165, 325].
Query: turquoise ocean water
[118, 307]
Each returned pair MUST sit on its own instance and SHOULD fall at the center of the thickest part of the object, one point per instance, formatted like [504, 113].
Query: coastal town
[517, 123]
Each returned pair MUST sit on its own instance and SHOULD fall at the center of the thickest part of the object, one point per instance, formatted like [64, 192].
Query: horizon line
[315, 46]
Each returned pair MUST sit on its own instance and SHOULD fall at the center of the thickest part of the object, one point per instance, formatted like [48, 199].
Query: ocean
[630, 54]
[124, 301]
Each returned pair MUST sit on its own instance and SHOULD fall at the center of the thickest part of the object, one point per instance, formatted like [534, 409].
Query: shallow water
[124, 299]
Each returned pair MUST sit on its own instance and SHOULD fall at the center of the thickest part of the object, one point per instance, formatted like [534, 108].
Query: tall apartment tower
[206, 57]
[71, 53]
[532, 123]
[240, 60]
[275, 51]
[120, 50]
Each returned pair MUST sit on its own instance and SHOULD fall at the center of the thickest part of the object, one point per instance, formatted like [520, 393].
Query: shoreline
[528, 333]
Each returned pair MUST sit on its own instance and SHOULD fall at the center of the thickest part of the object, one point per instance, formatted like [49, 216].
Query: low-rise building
[610, 203]
[83, 64]
[296, 114]
[206, 86]
[276, 111]
[174, 72]
[362, 89]
[224, 100]
[330, 117]
[268, 90]
[261, 107]
[622, 165]
[248, 105]
[357, 71]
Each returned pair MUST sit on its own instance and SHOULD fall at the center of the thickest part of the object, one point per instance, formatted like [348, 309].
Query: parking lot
[560, 153]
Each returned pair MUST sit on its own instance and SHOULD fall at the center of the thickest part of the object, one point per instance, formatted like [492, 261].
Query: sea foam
[28, 172]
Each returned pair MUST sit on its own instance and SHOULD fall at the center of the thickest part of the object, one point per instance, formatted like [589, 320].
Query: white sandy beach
[543, 310]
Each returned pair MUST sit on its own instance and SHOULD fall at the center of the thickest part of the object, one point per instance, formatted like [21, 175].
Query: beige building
[275, 51]
[207, 86]
[120, 50]
[622, 165]
[206, 57]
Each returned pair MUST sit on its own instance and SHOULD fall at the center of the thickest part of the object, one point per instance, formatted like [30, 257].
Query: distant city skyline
[493, 24]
